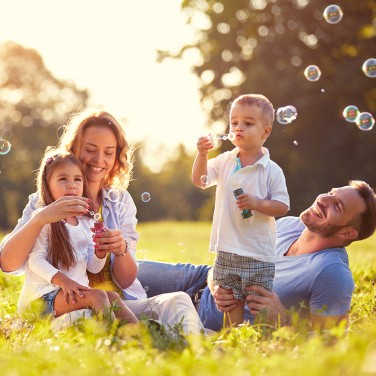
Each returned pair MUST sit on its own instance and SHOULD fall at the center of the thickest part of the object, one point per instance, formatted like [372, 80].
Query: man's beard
[326, 231]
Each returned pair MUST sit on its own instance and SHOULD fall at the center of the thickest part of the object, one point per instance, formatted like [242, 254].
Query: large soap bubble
[369, 68]
[333, 14]
[365, 121]
[4, 146]
[350, 113]
[312, 73]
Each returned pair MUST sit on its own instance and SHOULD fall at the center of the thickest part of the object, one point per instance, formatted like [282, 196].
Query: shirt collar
[263, 161]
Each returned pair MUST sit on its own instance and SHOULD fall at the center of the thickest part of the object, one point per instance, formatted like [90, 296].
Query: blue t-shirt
[320, 283]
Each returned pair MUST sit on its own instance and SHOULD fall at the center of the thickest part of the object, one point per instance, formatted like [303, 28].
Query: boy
[244, 242]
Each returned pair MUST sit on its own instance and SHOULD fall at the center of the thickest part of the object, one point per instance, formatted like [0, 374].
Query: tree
[173, 195]
[264, 46]
[33, 105]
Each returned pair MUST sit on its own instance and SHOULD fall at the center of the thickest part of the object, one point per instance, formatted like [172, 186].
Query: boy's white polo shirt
[253, 237]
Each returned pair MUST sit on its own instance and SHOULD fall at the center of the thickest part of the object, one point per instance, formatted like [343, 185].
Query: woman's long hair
[73, 132]
[60, 251]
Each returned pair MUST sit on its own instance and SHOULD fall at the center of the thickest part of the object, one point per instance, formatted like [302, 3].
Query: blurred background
[169, 70]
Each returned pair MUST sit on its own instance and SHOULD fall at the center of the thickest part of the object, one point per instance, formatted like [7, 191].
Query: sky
[109, 47]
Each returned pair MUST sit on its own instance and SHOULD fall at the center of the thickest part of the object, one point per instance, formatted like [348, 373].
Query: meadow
[29, 347]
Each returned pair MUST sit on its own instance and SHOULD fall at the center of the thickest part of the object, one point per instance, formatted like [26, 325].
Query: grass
[101, 348]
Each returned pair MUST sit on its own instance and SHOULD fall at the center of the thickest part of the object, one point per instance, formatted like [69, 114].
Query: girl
[98, 140]
[56, 268]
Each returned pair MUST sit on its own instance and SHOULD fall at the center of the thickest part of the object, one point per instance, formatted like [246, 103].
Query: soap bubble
[365, 121]
[113, 195]
[204, 179]
[120, 208]
[214, 138]
[181, 247]
[4, 146]
[369, 68]
[312, 73]
[231, 136]
[333, 14]
[141, 256]
[350, 113]
[296, 143]
[145, 197]
[146, 288]
[286, 115]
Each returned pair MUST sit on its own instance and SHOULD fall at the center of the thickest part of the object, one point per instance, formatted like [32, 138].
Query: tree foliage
[263, 46]
[33, 105]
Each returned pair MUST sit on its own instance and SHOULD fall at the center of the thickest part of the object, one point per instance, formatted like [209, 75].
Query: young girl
[98, 140]
[64, 250]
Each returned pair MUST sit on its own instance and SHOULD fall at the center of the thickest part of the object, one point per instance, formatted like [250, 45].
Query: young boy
[245, 240]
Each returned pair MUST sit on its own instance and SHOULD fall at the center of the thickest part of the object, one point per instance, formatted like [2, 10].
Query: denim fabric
[162, 277]
[49, 300]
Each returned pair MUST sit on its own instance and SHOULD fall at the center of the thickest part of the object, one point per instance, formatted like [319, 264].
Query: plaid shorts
[235, 272]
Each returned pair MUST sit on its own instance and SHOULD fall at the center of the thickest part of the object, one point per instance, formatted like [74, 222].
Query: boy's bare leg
[235, 317]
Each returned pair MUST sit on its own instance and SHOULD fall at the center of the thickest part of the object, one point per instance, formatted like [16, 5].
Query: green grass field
[97, 348]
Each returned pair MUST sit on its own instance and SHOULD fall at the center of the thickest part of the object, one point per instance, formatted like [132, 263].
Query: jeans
[162, 277]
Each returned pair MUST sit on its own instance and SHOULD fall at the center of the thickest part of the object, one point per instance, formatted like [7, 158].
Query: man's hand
[267, 302]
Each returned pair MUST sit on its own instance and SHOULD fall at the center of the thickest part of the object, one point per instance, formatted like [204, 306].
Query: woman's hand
[63, 207]
[110, 241]
[268, 302]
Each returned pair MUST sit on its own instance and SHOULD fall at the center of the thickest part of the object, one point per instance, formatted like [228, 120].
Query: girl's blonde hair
[60, 251]
[71, 140]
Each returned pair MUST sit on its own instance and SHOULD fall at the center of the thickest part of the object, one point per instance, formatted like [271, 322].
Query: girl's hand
[69, 287]
[110, 241]
[204, 145]
[63, 207]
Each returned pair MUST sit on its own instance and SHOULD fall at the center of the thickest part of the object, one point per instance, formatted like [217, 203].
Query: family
[262, 266]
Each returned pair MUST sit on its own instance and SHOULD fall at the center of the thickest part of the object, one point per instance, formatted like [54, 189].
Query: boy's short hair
[260, 101]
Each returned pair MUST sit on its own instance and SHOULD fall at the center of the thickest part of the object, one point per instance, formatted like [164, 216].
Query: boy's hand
[204, 145]
[246, 201]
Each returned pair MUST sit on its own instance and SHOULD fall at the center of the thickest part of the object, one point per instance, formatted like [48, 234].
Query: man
[312, 272]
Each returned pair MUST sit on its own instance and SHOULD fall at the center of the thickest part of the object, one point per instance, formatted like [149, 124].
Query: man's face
[333, 211]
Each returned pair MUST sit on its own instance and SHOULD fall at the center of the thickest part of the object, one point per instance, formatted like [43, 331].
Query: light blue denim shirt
[119, 214]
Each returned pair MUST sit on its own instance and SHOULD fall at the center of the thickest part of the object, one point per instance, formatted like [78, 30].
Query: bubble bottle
[245, 213]
[98, 224]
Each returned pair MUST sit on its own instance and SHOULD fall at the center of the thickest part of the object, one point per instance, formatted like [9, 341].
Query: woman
[99, 141]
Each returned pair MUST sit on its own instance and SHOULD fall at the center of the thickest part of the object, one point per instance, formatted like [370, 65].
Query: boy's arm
[272, 208]
[200, 164]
